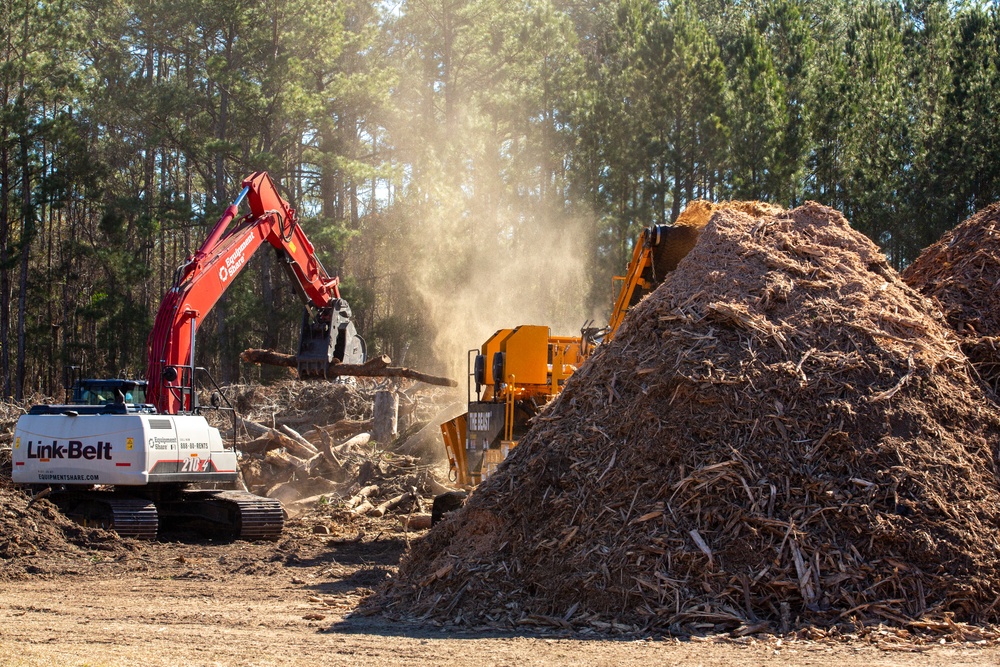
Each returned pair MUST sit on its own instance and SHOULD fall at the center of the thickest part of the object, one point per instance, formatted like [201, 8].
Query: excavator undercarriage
[226, 514]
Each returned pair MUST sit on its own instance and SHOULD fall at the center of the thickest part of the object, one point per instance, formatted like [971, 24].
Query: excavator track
[127, 516]
[134, 517]
[258, 518]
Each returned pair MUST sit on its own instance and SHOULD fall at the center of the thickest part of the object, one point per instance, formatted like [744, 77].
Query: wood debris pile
[339, 462]
[780, 436]
[299, 404]
[961, 274]
[307, 442]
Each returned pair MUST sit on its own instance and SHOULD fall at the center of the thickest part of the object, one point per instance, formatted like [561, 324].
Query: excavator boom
[202, 280]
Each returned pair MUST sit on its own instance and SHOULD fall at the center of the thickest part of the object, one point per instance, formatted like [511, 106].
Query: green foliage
[442, 153]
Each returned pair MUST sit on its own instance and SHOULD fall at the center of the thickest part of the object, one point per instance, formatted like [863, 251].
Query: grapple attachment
[328, 334]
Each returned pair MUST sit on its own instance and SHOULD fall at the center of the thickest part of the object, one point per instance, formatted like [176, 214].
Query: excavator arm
[327, 333]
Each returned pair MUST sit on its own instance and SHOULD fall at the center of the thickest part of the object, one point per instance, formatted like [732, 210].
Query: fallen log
[416, 521]
[393, 503]
[364, 507]
[374, 367]
[298, 507]
[348, 427]
[360, 440]
[259, 447]
[330, 454]
[362, 495]
[326, 452]
[296, 436]
[285, 460]
[302, 449]
[344, 427]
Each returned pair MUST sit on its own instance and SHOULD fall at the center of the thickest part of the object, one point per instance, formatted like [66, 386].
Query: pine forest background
[462, 164]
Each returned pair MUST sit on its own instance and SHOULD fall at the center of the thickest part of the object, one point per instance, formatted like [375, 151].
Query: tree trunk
[221, 330]
[27, 231]
[4, 268]
[385, 417]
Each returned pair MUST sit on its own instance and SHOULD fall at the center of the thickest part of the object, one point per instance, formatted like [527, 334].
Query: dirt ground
[289, 603]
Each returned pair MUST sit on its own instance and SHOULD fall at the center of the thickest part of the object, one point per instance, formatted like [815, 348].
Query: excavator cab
[102, 391]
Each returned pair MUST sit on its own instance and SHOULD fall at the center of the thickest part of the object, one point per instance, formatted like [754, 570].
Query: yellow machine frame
[536, 366]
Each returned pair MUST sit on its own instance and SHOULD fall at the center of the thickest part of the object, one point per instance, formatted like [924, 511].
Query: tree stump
[386, 413]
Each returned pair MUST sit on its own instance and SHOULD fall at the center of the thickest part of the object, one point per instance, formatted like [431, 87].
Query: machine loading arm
[657, 253]
[634, 279]
[327, 332]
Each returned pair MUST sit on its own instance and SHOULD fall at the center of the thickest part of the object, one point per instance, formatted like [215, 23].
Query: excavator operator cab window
[96, 397]
[89, 394]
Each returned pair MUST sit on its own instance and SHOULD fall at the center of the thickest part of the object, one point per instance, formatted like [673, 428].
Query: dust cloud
[481, 275]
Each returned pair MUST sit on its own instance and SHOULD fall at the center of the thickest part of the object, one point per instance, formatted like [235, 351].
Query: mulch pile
[961, 275]
[781, 435]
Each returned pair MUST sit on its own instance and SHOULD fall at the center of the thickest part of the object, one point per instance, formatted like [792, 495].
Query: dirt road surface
[289, 603]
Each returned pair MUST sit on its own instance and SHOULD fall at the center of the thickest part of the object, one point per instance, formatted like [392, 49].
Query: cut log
[326, 450]
[364, 508]
[348, 427]
[392, 504]
[375, 367]
[314, 463]
[344, 427]
[259, 447]
[357, 499]
[291, 444]
[305, 504]
[294, 435]
[350, 444]
[280, 459]
[385, 419]
[416, 521]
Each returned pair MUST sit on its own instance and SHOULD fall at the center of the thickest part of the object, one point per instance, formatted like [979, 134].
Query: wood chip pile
[961, 275]
[782, 434]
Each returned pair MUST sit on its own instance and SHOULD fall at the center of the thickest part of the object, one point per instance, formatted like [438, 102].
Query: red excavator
[114, 459]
